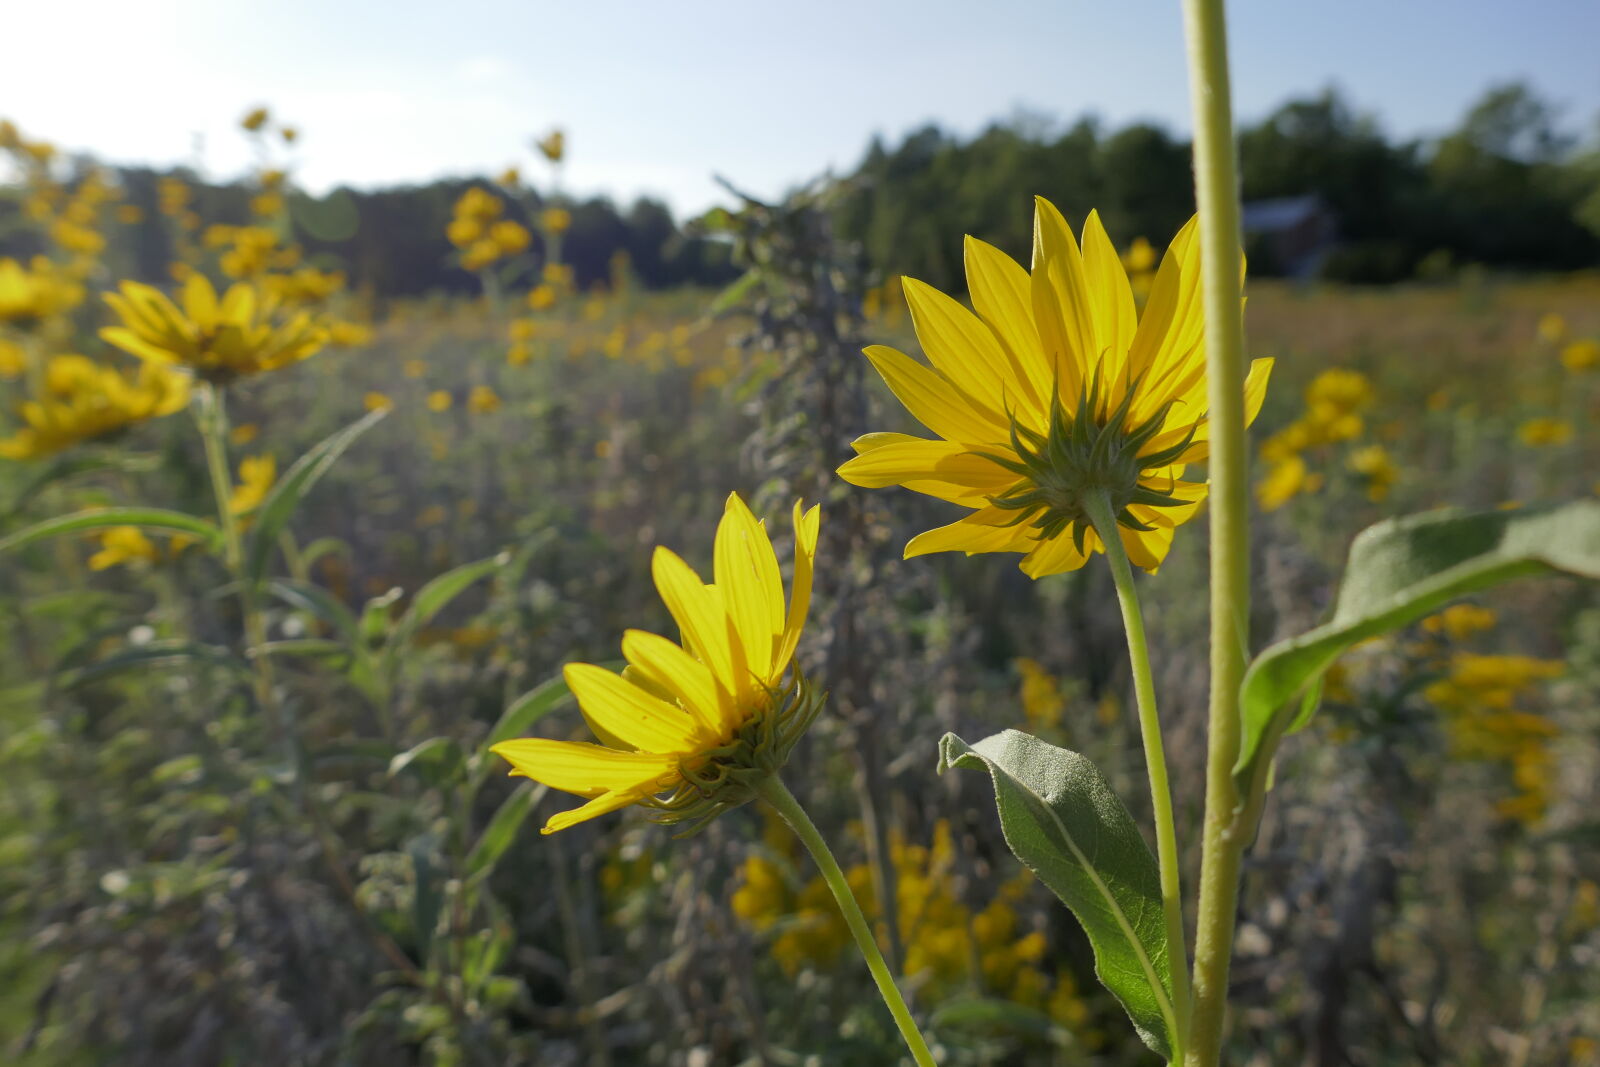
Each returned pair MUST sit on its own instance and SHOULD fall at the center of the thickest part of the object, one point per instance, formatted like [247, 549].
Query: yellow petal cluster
[674, 704]
[84, 400]
[235, 336]
[37, 292]
[1064, 335]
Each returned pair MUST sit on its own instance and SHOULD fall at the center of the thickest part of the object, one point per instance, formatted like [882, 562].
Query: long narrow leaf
[275, 512]
[95, 519]
[502, 829]
[433, 597]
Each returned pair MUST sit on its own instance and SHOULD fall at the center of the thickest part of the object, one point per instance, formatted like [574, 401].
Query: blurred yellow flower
[414, 368]
[518, 354]
[683, 719]
[553, 145]
[462, 232]
[1552, 327]
[30, 294]
[1285, 479]
[13, 360]
[343, 334]
[289, 134]
[1376, 467]
[1042, 702]
[220, 340]
[1460, 621]
[254, 119]
[130, 214]
[439, 400]
[1544, 431]
[1581, 355]
[522, 329]
[377, 402]
[1055, 389]
[86, 400]
[243, 433]
[555, 219]
[483, 400]
[256, 475]
[511, 237]
[541, 297]
[121, 546]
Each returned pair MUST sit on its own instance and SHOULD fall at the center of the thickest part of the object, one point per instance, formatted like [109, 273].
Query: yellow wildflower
[555, 219]
[510, 237]
[541, 297]
[1544, 431]
[1552, 327]
[254, 119]
[480, 254]
[377, 402]
[1581, 355]
[289, 134]
[518, 354]
[691, 719]
[1374, 464]
[27, 295]
[1042, 701]
[439, 400]
[218, 339]
[1460, 621]
[1285, 479]
[256, 475]
[243, 433]
[86, 401]
[1057, 388]
[121, 546]
[553, 145]
[483, 400]
[13, 360]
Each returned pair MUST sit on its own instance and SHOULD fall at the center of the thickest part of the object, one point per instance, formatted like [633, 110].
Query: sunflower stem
[211, 414]
[775, 793]
[1098, 506]
[1229, 818]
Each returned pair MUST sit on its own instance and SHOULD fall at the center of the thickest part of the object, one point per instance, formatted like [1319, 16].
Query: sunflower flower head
[1055, 396]
[689, 729]
[85, 401]
[219, 339]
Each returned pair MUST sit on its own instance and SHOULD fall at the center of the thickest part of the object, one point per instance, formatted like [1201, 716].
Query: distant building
[1293, 233]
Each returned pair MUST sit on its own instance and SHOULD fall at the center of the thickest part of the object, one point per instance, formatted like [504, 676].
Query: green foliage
[1399, 571]
[96, 520]
[1062, 820]
[272, 518]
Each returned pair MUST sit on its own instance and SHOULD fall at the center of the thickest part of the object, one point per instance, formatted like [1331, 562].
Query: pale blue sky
[657, 96]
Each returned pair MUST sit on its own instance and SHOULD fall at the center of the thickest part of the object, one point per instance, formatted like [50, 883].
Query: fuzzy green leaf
[1399, 571]
[1065, 824]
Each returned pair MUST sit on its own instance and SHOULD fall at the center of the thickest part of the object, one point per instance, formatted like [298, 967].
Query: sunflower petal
[630, 714]
[581, 768]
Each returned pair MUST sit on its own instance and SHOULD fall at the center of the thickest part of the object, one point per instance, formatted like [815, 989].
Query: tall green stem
[775, 793]
[1155, 758]
[1226, 834]
[213, 419]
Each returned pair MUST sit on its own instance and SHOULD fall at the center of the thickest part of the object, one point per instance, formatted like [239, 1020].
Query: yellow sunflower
[84, 400]
[1056, 394]
[703, 720]
[220, 339]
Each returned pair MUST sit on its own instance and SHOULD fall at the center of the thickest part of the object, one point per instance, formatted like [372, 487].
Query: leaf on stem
[1399, 571]
[1062, 820]
[94, 520]
[279, 507]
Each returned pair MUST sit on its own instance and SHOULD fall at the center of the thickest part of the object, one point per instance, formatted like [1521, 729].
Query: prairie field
[263, 618]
